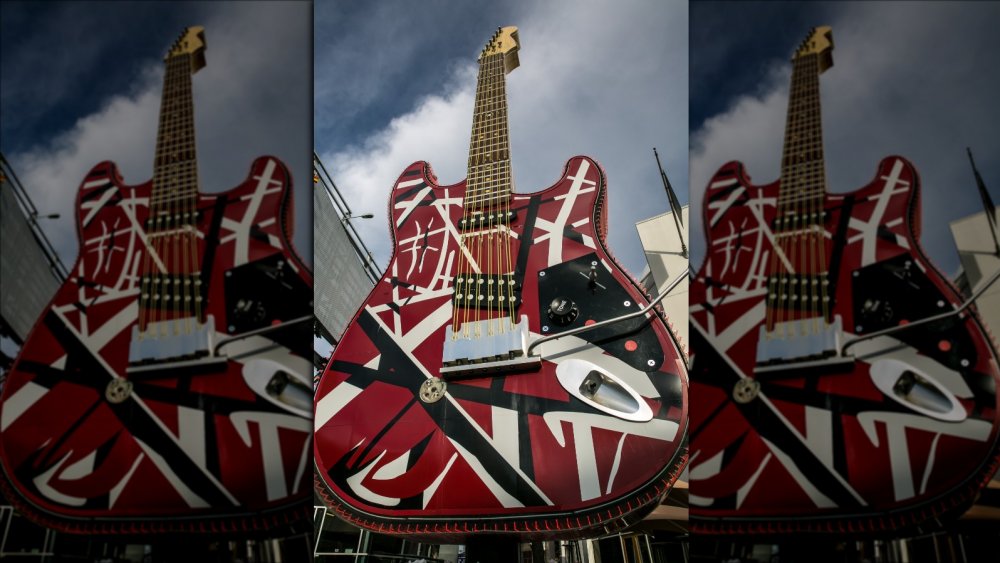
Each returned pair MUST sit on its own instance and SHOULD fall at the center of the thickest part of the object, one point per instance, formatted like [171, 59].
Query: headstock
[504, 42]
[191, 42]
[819, 42]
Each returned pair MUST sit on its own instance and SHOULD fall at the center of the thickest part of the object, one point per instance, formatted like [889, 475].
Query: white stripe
[505, 434]
[116, 491]
[96, 183]
[96, 206]
[871, 228]
[333, 402]
[189, 496]
[409, 206]
[818, 498]
[742, 492]
[819, 432]
[42, 484]
[429, 493]
[724, 205]
[20, 401]
[191, 433]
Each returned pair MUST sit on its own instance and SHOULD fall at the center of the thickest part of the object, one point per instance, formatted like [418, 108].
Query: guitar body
[902, 432]
[197, 445]
[513, 453]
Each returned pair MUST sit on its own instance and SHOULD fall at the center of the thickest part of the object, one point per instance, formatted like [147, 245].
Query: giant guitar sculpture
[817, 406]
[167, 386]
[435, 419]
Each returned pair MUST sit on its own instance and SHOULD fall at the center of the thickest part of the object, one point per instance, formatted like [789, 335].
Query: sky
[916, 79]
[395, 83]
[80, 82]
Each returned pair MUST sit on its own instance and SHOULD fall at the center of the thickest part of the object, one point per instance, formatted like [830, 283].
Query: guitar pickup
[485, 220]
[496, 292]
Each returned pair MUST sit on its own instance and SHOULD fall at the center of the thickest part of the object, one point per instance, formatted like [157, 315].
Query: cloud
[73, 24]
[365, 174]
[249, 102]
[120, 131]
[917, 80]
[609, 81]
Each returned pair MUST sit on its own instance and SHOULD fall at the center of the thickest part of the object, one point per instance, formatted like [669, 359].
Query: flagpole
[675, 205]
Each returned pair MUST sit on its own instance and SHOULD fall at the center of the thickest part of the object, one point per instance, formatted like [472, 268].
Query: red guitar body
[901, 431]
[197, 445]
[512, 453]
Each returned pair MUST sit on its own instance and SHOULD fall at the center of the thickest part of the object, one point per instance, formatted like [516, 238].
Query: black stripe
[839, 242]
[526, 241]
[713, 370]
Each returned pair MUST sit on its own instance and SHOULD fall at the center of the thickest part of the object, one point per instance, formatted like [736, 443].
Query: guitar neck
[175, 172]
[489, 182]
[798, 288]
[803, 173]
[171, 285]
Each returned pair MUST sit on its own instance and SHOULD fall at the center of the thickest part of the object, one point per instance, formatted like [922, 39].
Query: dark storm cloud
[252, 99]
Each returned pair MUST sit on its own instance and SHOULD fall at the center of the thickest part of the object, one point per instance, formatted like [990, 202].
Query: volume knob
[562, 311]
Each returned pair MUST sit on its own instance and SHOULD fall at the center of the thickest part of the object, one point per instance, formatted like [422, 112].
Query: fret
[175, 177]
[488, 182]
[803, 178]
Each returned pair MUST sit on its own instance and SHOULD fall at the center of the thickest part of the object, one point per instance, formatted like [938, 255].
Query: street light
[348, 216]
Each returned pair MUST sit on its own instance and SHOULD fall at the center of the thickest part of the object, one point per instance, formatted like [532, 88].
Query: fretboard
[489, 176]
[803, 176]
[175, 171]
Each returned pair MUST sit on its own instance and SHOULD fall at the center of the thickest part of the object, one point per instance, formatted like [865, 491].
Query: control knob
[562, 311]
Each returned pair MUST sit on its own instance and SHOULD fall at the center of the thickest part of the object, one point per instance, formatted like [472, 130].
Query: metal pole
[675, 205]
[938, 317]
[345, 211]
[28, 207]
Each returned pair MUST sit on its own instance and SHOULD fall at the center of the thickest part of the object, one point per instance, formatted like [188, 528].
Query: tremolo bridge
[486, 346]
[478, 348]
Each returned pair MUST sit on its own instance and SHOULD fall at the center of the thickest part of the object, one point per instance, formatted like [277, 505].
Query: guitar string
[823, 275]
[467, 208]
[471, 221]
[478, 214]
[782, 221]
[460, 286]
[805, 279]
[787, 182]
[497, 184]
[799, 165]
[801, 171]
[174, 156]
[811, 240]
[488, 202]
